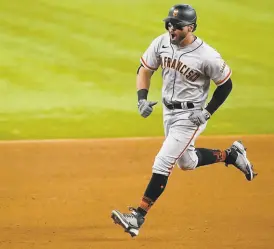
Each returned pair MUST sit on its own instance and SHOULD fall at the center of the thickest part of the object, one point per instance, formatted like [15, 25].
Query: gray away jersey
[186, 71]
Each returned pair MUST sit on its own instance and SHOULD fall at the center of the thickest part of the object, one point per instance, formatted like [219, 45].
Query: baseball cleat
[130, 222]
[237, 157]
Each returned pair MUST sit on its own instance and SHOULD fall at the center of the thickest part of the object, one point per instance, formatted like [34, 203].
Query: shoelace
[131, 215]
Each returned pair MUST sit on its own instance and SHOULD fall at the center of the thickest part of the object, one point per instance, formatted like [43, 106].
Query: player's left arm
[219, 96]
[220, 73]
[218, 70]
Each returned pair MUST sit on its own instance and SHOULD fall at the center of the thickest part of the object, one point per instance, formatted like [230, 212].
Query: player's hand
[199, 117]
[145, 107]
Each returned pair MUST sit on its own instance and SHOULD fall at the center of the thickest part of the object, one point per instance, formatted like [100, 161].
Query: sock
[209, 156]
[154, 189]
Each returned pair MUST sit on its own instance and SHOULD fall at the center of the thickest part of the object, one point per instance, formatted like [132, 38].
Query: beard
[176, 39]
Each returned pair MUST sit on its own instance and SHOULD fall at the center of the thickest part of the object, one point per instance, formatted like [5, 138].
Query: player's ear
[191, 28]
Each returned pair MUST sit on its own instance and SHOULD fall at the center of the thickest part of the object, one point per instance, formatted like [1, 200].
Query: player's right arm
[150, 61]
[143, 82]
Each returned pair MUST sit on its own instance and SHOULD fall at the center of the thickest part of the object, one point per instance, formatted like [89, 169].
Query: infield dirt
[59, 194]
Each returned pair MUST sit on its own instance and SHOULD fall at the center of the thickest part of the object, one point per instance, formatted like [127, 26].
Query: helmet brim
[168, 19]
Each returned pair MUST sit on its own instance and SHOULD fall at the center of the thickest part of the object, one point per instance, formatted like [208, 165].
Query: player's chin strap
[195, 26]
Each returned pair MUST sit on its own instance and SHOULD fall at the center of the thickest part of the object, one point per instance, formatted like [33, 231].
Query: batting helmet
[182, 15]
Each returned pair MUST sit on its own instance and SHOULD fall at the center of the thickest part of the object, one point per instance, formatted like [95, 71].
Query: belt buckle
[184, 105]
[187, 105]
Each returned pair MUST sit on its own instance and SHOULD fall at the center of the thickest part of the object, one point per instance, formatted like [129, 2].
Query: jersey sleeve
[151, 58]
[217, 69]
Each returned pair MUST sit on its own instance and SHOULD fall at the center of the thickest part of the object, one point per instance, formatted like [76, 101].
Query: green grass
[68, 68]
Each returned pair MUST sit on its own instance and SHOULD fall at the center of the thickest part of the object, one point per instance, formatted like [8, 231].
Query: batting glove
[145, 107]
[199, 117]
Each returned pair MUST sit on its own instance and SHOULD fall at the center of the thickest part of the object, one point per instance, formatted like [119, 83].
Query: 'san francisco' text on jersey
[182, 68]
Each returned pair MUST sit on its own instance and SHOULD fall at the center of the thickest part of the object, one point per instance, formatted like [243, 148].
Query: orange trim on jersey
[188, 143]
[151, 68]
[225, 79]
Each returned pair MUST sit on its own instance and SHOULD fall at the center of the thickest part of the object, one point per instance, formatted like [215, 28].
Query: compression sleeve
[219, 96]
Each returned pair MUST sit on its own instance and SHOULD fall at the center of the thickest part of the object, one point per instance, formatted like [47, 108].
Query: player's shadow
[98, 239]
[113, 239]
[105, 235]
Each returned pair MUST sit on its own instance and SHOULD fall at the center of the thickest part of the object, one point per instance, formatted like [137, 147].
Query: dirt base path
[60, 194]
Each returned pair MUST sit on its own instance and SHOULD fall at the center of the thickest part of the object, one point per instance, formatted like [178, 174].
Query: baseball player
[188, 64]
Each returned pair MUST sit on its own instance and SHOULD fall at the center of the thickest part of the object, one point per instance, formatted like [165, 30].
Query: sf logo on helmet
[175, 12]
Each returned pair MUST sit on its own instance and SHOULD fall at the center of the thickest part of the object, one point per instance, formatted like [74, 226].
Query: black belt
[172, 106]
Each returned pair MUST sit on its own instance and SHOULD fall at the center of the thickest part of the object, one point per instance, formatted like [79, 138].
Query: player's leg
[180, 136]
[194, 158]
[189, 160]
[176, 143]
[235, 155]
[210, 156]
[131, 222]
